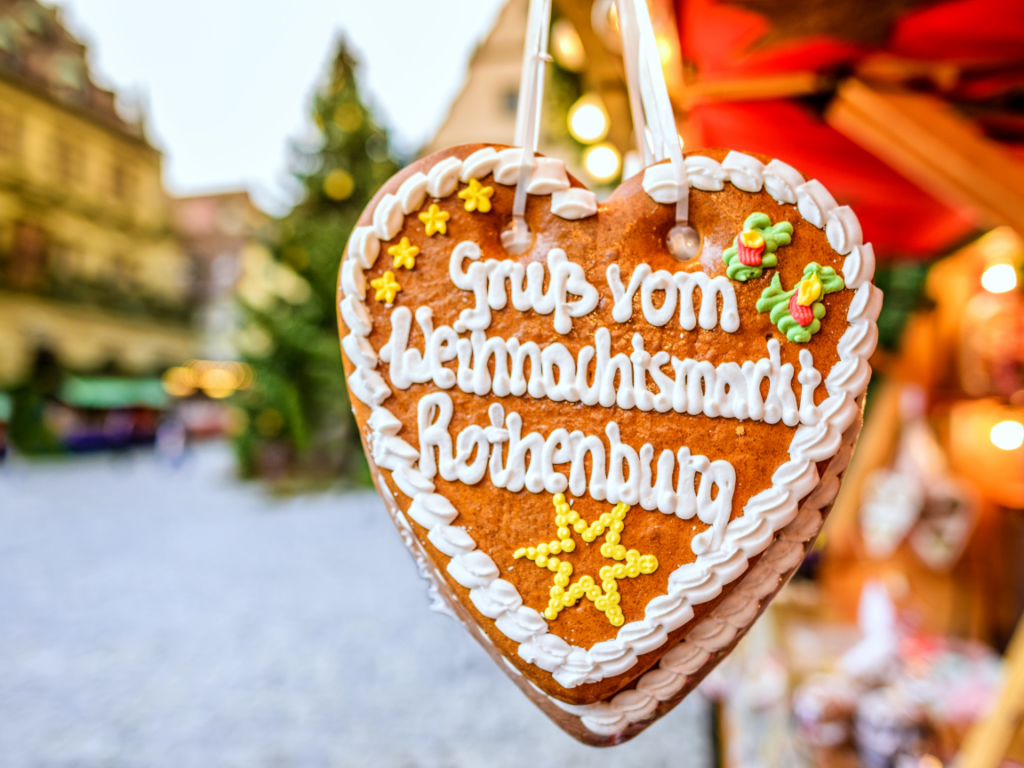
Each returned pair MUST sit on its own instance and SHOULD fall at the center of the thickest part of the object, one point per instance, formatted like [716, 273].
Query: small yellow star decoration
[477, 196]
[435, 220]
[386, 287]
[404, 254]
[605, 596]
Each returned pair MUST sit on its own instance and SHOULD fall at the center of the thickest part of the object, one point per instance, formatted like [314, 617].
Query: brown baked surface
[629, 229]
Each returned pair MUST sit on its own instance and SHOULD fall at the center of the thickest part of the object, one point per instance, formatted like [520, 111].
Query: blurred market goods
[916, 498]
[297, 423]
[933, 507]
[823, 706]
[880, 694]
[889, 725]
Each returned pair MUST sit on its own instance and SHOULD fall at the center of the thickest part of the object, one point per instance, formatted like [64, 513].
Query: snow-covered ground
[156, 617]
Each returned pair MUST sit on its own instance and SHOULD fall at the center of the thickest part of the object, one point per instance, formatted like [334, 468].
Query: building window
[10, 135]
[68, 161]
[64, 262]
[26, 270]
[124, 276]
[121, 182]
[510, 100]
[8, 36]
[68, 72]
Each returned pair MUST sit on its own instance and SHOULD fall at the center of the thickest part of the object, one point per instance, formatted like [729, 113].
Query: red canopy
[978, 43]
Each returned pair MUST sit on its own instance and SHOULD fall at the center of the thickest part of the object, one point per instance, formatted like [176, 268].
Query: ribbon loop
[654, 121]
[517, 237]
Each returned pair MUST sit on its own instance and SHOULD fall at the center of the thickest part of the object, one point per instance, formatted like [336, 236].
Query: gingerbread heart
[607, 461]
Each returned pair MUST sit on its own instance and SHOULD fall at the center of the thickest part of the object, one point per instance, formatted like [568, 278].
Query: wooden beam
[786, 85]
[988, 741]
[884, 68]
[934, 146]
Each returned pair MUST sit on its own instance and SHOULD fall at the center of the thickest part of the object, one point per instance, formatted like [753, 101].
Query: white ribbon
[640, 43]
[531, 97]
[630, 59]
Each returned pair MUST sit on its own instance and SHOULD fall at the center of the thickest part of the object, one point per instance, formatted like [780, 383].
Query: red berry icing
[749, 247]
[749, 256]
[800, 313]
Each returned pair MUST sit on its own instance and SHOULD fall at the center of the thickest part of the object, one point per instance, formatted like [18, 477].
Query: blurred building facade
[485, 108]
[222, 234]
[106, 281]
[91, 271]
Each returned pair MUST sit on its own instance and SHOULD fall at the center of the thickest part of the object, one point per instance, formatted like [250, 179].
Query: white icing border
[764, 514]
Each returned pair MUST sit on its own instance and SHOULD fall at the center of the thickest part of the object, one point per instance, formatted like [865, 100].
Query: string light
[602, 162]
[588, 119]
[215, 378]
[567, 46]
[1008, 435]
[664, 49]
[999, 278]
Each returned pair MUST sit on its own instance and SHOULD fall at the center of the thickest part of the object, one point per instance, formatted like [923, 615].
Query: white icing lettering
[728, 390]
[618, 472]
[678, 289]
[486, 280]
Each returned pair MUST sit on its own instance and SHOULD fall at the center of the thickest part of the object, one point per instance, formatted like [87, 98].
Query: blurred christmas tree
[300, 425]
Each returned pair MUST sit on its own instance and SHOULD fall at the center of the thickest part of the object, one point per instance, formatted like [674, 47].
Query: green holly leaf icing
[775, 236]
[775, 301]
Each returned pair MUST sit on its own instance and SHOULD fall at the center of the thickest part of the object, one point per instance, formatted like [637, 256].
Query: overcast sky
[228, 82]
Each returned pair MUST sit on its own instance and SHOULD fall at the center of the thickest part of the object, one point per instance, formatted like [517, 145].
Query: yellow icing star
[435, 220]
[404, 254]
[605, 595]
[386, 287]
[477, 196]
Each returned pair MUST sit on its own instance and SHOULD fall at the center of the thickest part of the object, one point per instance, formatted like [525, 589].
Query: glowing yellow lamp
[999, 278]
[1007, 435]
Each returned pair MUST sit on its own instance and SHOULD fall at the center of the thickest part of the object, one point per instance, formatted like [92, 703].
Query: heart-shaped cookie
[606, 460]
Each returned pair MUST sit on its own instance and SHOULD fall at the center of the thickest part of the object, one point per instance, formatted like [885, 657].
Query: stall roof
[967, 55]
[105, 392]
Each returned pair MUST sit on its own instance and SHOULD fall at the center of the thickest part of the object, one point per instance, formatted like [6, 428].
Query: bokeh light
[665, 49]
[216, 379]
[588, 119]
[567, 46]
[602, 162]
[339, 184]
[1008, 435]
[999, 278]
[348, 117]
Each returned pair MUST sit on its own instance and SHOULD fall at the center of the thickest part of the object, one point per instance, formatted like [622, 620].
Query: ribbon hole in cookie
[684, 242]
[516, 237]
